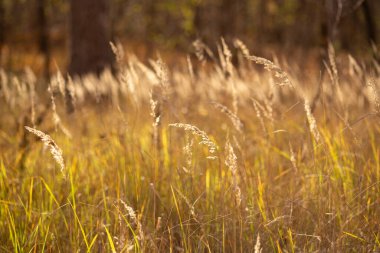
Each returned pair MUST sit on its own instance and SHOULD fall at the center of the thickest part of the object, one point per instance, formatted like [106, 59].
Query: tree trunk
[206, 21]
[90, 35]
[227, 18]
[2, 24]
[43, 35]
[370, 23]
[151, 29]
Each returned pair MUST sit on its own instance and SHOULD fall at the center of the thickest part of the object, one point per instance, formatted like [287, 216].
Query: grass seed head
[312, 122]
[55, 151]
[205, 140]
[281, 75]
[236, 122]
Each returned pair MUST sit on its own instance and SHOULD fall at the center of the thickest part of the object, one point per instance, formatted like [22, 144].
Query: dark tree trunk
[260, 27]
[43, 35]
[227, 16]
[206, 22]
[151, 29]
[198, 22]
[370, 23]
[90, 35]
[328, 24]
[2, 23]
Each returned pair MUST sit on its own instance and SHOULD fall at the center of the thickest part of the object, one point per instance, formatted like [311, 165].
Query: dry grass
[294, 164]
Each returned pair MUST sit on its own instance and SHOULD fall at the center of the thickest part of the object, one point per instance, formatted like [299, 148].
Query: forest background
[40, 34]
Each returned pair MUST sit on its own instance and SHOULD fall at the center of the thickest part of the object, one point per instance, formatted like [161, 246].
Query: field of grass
[197, 157]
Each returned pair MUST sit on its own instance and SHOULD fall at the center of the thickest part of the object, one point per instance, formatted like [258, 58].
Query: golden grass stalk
[231, 163]
[118, 51]
[31, 80]
[154, 110]
[281, 75]
[202, 50]
[162, 72]
[158, 224]
[205, 140]
[156, 114]
[58, 83]
[268, 112]
[375, 95]
[188, 152]
[353, 67]
[258, 248]
[55, 151]
[332, 61]
[267, 109]
[227, 67]
[312, 122]
[242, 47]
[190, 68]
[189, 205]
[132, 215]
[236, 122]
[4, 85]
[56, 119]
[258, 109]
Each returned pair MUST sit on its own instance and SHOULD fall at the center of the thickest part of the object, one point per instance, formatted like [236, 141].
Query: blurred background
[74, 35]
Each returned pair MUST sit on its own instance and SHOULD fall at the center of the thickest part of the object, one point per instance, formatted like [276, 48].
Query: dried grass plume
[55, 151]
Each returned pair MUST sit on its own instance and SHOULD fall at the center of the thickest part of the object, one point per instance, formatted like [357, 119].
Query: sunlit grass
[125, 189]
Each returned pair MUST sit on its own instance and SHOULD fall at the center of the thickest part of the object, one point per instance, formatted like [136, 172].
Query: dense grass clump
[197, 157]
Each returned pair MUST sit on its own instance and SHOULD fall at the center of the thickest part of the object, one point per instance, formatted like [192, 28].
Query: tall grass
[293, 166]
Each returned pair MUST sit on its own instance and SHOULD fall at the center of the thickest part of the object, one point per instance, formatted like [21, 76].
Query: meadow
[229, 152]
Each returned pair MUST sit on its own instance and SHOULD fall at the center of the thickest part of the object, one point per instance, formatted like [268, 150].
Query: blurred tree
[206, 21]
[43, 35]
[151, 24]
[2, 23]
[371, 25]
[90, 36]
[232, 14]
[174, 24]
[341, 17]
